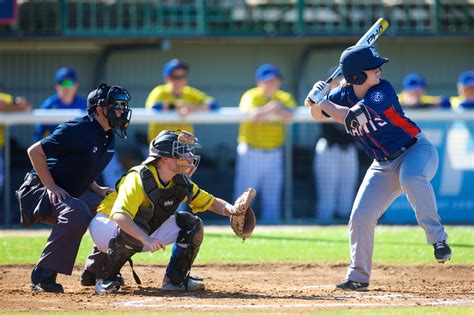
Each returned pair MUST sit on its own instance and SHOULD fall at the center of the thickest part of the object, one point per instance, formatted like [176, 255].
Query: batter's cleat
[192, 285]
[442, 251]
[88, 279]
[352, 285]
[105, 286]
[44, 280]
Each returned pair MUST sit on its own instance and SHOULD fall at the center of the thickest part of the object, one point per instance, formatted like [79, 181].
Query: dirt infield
[262, 287]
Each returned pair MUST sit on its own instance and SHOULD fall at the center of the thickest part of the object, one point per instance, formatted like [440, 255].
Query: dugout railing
[456, 143]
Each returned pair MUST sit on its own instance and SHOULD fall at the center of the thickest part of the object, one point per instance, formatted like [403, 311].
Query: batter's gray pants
[71, 219]
[384, 181]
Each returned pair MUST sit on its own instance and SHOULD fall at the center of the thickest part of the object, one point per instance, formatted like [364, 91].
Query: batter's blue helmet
[355, 59]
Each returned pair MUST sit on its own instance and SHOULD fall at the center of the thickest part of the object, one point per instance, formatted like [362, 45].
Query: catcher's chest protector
[164, 201]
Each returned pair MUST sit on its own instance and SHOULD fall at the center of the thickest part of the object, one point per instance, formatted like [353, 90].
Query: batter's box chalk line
[396, 300]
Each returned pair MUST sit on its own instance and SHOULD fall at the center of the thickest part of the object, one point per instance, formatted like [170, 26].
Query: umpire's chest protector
[164, 201]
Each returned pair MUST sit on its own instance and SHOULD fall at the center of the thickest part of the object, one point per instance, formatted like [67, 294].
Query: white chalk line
[152, 302]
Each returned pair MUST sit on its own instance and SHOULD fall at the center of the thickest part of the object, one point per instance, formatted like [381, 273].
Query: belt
[399, 151]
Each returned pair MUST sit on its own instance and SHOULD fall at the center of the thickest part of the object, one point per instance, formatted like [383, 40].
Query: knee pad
[121, 249]
[192, 229]
[189, 240]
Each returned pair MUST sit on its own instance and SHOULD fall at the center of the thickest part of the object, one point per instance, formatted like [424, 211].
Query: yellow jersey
[162, 94]
[7, 98]
[129, 196]
[266, 135]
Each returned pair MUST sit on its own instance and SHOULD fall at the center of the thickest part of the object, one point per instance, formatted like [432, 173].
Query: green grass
[393, 245]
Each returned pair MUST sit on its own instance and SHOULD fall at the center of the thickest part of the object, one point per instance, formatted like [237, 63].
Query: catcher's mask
[179, 145]
[114, 99]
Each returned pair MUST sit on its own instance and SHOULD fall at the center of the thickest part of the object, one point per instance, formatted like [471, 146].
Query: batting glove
[357, 116]
[317, 94]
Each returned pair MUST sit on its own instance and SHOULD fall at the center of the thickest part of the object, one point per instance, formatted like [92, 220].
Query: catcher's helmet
[114, 98]
[355, 59]
[179, 145]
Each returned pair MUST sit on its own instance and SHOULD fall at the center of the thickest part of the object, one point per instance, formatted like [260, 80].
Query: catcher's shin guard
[186, 248]
[121, 249]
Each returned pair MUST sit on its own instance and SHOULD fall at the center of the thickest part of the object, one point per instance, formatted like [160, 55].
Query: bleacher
[237, 17]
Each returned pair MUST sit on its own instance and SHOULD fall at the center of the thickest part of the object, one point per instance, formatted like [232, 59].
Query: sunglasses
[67, 83]
[178, 77]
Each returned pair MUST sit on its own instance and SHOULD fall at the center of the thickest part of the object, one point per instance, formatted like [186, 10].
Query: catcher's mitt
[243, 219]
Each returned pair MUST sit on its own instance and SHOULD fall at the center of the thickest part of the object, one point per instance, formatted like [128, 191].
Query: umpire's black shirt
[77, 152]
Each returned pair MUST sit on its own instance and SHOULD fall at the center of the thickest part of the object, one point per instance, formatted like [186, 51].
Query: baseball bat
[368, 38]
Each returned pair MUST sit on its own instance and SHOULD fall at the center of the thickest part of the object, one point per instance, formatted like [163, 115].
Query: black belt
[399, 151]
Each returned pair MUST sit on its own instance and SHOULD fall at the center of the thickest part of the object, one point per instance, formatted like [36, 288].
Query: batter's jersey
[389, 129]
[129, 196]
[265, 135]
[7, 99]
[77, 152]
[163, 94]
[54, 102]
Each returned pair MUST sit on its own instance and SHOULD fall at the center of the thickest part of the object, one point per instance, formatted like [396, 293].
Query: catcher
[140, 215]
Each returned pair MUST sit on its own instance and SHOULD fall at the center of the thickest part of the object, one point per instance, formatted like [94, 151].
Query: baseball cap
[65, 73]
[266, 72]
[414, 81]
[466, 78]
[172, 65]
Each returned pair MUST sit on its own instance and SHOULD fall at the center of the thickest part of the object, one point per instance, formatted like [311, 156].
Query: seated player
[140, 215]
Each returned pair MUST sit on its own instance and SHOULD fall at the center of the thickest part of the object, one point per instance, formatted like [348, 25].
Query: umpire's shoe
[44, 280]
[352, 285]
[106, 286]
[192, 285]
[442, 251]
[88, 279]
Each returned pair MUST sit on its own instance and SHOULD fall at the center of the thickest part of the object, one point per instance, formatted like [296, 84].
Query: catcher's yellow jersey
[268, 135]
[163, 94]
[7, 98]
[130, 196]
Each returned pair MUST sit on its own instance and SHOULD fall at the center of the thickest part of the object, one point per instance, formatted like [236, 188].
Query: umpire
[61, 188]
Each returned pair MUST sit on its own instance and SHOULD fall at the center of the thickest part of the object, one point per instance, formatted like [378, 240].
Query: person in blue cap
[177, 95]
[66, 86]
[465, 86]
[404, 160]
[413, 95]
[261, 137]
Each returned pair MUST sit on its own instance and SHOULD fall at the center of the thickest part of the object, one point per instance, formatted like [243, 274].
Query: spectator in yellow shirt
[8, 103]
[261, 138]
[177, 95]
[465, 86]
[414, 95]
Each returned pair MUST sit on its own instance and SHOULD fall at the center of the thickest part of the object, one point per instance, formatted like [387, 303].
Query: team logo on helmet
[377, 97]
[375, 53]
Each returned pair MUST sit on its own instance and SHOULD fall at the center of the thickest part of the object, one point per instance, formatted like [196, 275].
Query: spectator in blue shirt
[65, 98]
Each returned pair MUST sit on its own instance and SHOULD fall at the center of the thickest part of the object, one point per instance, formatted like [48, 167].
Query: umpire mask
[117, 111]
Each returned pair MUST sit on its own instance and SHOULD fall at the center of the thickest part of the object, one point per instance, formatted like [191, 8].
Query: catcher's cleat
[192, 285]
[105, 286]
[44, 280]
[442, 251]
[88, 279]
[352, 285]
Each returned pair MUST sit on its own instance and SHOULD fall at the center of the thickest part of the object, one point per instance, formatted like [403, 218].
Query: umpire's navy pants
[71, 219]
